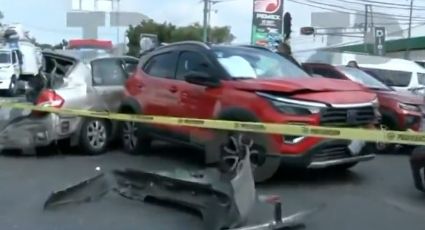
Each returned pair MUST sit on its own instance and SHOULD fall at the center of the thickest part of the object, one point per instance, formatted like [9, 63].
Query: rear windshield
[391, 77]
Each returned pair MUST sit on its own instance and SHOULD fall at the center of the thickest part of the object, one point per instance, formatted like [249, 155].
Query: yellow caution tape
[408, 137]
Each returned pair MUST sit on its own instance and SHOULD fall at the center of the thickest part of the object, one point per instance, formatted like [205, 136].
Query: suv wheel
[94, 136]
[133, 139]
[263, 167]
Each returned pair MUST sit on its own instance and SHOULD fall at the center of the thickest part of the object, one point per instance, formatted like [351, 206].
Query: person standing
[285, 51]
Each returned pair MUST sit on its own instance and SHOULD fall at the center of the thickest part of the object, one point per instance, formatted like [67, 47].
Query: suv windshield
[392, 78]
[242, 62]
[363, 78]
[5, 58]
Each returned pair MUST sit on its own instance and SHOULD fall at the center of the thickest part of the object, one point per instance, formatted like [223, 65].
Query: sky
[46, 19]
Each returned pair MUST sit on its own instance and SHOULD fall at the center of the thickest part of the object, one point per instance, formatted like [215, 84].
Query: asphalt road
[374, 195]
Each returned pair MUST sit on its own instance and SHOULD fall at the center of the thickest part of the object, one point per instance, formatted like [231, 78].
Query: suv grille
[333, 152]
[347, 116]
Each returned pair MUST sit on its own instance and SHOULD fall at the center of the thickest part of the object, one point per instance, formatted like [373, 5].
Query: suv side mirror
[201, 78]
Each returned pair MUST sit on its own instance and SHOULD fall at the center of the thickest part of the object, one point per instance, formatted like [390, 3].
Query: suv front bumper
[330, 153]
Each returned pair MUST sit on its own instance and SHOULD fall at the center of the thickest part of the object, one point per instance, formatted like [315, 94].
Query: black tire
[13, 87]
[94, 136]
[264, 168]
[134, 141]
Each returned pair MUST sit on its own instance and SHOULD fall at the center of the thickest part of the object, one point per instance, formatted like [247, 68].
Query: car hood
[299, 84]
[403, 97]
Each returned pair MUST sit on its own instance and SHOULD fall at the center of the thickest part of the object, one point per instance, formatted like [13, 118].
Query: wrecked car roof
[80, 56]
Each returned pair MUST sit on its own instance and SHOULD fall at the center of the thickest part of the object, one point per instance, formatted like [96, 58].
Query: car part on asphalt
[417, 164]
[224, 195]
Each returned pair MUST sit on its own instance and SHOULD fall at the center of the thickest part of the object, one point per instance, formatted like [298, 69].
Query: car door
[158, 94]
[194, 101]
[108, 77]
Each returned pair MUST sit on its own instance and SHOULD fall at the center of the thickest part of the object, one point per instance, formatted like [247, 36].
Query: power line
[349, 12]
[357, 42]
[385, 3]
[402, 17]
[389, 6]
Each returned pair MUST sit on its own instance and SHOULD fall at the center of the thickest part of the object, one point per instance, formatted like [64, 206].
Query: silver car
[73, 82]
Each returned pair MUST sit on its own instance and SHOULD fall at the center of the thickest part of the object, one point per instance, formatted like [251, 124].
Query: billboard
[267, 23]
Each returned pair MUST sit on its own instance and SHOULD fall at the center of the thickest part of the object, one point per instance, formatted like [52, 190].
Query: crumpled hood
[403, 97]
[299, 84]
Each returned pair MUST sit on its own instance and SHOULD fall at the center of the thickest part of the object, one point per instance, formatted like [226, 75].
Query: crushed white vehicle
[70, 81]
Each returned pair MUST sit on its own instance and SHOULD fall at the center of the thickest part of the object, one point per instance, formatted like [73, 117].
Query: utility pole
[366, 15]
[118, 21]
[407, 53]
[206, 16]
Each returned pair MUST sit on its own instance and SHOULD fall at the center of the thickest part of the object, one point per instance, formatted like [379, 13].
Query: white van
[401, 74]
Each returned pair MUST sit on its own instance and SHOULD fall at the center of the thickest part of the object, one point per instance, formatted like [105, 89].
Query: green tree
[168, 32]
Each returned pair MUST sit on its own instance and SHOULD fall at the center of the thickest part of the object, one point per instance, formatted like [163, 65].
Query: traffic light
[287, 24]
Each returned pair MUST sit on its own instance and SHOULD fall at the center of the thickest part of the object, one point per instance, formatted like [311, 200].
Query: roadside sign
[379, 46]
[267, 23]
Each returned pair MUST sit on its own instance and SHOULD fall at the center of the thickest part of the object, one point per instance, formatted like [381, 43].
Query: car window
[421, 78]
[162, 65]
[130, 65]
[362, 77]
[326, 73]
[391, 77]
[108, 72]
[191, 61]
[243, 62]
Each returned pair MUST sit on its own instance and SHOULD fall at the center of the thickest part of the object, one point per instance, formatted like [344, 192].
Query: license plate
[356, 146]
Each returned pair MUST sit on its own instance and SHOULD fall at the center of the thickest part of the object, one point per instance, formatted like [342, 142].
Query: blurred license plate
[356, 146]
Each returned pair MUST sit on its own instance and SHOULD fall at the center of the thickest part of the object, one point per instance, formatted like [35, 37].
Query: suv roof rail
[256, 47]
[205, 45]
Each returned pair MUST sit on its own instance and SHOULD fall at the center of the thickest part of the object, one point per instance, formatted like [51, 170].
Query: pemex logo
[267, 6]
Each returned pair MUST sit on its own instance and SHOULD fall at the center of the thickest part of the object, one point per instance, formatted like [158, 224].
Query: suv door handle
[173, 89]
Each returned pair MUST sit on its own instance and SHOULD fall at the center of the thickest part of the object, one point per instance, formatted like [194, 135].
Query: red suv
[399, 111]
[245, 83]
